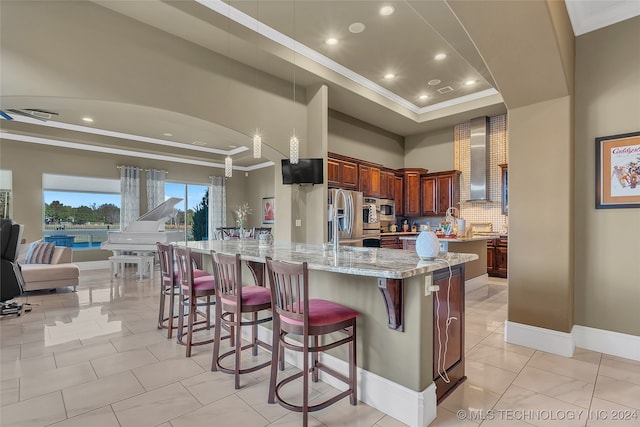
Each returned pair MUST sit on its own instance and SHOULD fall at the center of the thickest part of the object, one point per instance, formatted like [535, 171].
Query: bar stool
[294, 313]
[169, 286]
[192, 288]
[232, 301]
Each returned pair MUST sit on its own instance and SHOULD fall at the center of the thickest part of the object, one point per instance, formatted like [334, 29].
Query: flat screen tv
[306, 171]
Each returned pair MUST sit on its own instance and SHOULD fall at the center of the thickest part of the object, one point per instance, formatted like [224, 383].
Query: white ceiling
[403, 43]
[590, 15]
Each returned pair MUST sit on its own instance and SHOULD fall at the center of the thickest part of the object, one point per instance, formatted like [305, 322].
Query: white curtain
[155, 187]
[217, 205]
[129, 195]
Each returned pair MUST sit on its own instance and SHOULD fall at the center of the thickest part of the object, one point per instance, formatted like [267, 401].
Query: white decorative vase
[427, 245]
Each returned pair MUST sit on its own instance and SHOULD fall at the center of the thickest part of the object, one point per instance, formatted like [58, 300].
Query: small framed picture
[268, 210]
[618, 171]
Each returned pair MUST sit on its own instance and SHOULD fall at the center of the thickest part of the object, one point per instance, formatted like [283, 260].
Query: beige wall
[541, 215]
[355, 138]
[259, 184]
[607, 257]
[432, 151]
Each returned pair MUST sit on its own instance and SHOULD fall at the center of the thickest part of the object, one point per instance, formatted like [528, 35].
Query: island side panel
[473, 268]
[401, 357]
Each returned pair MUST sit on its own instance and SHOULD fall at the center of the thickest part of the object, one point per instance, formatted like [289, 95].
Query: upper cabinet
[387, 184]
[342, 174]
[398, 184]
[412, 196]
[353, 174]
[369, 179]
[439, 192]
[416, 192]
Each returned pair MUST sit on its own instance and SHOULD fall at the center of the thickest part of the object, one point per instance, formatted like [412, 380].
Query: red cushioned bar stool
[232, 301]
[294, 313]
[169, 287]
[191, 289]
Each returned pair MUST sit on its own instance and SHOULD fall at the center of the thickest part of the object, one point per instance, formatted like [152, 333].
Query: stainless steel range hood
[479, 191]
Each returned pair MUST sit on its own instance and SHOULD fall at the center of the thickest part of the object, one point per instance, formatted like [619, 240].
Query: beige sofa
[61, 272]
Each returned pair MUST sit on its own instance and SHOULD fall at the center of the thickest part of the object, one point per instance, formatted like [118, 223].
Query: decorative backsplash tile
[477, 212]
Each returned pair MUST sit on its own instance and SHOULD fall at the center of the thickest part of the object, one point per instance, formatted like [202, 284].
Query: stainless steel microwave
[387, 209]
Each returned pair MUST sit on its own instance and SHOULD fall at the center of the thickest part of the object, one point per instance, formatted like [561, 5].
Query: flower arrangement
[446, 227]
[241, 213]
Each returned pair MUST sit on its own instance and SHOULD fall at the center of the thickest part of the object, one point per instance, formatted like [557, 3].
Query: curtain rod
[146, 170]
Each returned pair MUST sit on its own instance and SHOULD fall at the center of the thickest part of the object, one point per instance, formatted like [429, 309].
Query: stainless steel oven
[370, 218]
[386, 210]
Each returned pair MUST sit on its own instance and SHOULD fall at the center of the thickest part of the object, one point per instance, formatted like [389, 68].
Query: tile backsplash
[478, 212]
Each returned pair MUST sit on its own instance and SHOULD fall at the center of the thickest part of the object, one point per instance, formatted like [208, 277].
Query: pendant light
[228, 163]
[257, 138]
[228, 167]
[294, 143]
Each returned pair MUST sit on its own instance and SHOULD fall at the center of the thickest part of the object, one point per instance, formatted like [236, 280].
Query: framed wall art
[618, 171]
[268, 210]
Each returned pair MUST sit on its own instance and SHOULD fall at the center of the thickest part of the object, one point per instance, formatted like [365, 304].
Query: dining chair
[192, 288]
[295, 314]
[232, 301]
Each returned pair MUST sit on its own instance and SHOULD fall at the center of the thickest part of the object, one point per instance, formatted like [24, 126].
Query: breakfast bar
[393, 291]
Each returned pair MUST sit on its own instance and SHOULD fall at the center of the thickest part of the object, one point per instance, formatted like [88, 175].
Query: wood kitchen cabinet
[448, 303]
[412, 196]
[390, 242]
[369, 180]
[399, 194]
[342, 174]
[439, 192]
[387, 184]
[498, 256]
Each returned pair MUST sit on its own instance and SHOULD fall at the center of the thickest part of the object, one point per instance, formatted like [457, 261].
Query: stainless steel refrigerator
[350, 222]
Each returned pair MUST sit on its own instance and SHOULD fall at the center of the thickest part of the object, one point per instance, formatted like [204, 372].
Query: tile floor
[95, 358]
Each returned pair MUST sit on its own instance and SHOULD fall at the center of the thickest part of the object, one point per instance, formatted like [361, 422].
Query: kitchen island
[389, 288]
[471, 245]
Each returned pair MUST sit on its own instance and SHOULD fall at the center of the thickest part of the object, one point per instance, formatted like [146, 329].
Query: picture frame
[618, 171]
[268, 210]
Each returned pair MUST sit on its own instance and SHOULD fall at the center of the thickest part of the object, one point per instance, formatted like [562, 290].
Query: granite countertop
[458, 239]
[372, 262]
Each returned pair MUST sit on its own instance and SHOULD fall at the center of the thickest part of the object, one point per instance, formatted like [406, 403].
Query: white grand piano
[141, 235]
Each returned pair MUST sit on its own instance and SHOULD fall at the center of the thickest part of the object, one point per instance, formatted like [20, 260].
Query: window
[193, 211]
[80, 211]
[5, 193]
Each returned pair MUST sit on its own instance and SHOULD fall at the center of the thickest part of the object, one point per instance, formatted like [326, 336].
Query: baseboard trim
[416, 409]
[608, 342]
[475, 283]
[556, 342]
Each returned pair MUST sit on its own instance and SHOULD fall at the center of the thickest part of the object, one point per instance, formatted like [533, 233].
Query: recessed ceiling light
[200, 143]
[470, 82]
[167, 134]
[389, 76]
[232, 146]
[440, 56]
[87, 119]
[434, 82]
[387, 10]
[356, 27]
[331, 41]
[423, 97]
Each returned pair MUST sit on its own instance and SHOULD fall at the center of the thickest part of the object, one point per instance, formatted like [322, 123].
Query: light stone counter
[370, 262]
[457, 239]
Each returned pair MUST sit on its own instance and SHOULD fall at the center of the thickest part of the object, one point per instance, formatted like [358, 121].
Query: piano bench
[144, 264]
